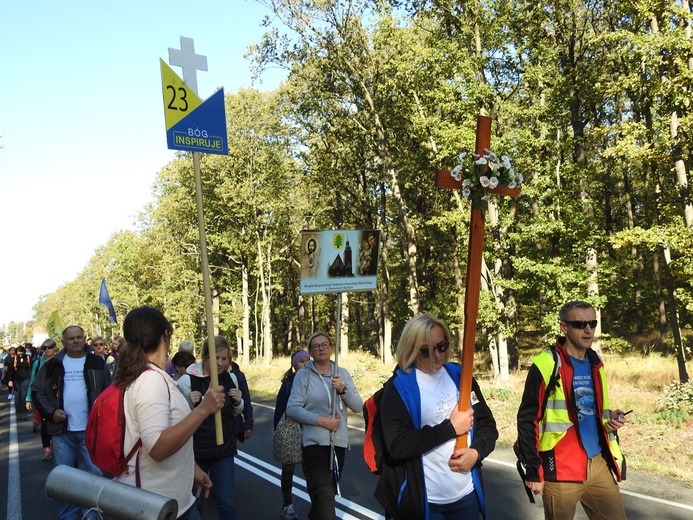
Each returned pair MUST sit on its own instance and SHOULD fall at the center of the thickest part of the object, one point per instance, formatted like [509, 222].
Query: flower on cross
[478, 173]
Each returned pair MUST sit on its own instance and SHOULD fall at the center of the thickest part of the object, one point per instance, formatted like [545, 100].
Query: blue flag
[105, 300]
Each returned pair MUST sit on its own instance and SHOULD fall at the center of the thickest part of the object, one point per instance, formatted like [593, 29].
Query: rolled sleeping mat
[117, 500]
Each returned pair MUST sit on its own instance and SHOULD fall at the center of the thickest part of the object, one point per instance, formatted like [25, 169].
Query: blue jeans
[69, 449]
[466, 508]
[191, 514]
[221, 471]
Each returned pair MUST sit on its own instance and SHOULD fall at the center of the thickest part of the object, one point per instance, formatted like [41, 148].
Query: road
[23, 474]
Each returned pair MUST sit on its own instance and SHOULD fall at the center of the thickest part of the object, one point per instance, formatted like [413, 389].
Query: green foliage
[616, 345]
[676, 418]
[678, 398]
[500, 393]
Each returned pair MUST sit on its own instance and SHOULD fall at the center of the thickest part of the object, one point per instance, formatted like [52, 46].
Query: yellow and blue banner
[192, 125]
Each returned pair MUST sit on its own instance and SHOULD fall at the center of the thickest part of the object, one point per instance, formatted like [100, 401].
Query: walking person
[567, 439]
[325, 436]
[244, 421]
[217, 461]
[63, 391]
[298, 361]
[9, 360]
[159, 415]
[424, 477]
[49, 348]
[19, 376]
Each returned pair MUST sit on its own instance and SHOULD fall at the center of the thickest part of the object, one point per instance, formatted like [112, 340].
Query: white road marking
[14, 488]
[511, 465]
[268, 470]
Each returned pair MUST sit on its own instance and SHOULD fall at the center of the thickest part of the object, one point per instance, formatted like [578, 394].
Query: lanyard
[329, 394]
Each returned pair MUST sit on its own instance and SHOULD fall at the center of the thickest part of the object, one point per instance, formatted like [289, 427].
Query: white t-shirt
[438, 397]
[148, 412]
[75, 398]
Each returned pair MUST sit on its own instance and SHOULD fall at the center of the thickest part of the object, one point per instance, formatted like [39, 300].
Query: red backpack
[373, 452]
[105, 434]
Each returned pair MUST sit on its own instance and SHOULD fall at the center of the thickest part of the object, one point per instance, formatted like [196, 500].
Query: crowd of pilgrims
[170, 404]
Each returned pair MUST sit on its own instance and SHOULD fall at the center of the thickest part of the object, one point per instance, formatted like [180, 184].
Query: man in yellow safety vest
[568, 438]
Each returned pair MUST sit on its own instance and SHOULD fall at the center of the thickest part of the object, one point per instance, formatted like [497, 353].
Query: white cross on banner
[186, 59]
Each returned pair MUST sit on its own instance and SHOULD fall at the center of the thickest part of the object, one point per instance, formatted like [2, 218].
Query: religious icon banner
[338, 261]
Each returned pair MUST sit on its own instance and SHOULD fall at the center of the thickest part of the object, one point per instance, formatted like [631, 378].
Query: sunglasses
[47, 347]
[99, 344]
[441, 347]
[581, 324]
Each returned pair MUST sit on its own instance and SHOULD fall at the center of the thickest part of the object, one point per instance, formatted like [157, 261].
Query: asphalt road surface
[258, 497]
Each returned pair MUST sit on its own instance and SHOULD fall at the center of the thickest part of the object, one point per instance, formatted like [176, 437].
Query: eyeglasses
[321, 346]
[441, 347]
[581, 324]
[99, 344]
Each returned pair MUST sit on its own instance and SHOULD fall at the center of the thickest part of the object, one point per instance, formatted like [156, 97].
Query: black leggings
[287, 483]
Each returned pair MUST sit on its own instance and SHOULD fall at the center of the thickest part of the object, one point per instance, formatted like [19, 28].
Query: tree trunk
[681, 170]
[502, 344]
[634, 253]
[384, 320]
[674, 318]
[245, 298]
[459, 287]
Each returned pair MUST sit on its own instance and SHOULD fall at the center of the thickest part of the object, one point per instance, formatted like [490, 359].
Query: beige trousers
[598, 495]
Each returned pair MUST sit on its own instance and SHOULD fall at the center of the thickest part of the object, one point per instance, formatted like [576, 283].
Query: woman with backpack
[424, 477]
[298, 361]
[218, 461]
[159, 415]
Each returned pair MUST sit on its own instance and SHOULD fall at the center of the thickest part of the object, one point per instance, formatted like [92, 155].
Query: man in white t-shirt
[63, 392]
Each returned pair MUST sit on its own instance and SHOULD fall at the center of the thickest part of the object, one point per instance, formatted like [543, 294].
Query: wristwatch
[343, 392]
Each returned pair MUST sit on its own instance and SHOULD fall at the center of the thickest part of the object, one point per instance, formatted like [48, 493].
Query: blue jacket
[401, 489]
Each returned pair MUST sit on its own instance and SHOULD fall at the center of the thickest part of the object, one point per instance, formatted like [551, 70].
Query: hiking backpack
[373, 438]
[105, 433]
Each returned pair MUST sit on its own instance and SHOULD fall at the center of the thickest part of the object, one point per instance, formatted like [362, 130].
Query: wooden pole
[337, 335]
[213, 376]
[477, 230]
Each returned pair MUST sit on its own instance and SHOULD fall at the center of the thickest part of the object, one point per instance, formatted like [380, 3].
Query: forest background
[591, 99]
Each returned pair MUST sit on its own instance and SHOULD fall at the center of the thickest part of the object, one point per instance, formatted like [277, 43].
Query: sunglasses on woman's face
[441, 347]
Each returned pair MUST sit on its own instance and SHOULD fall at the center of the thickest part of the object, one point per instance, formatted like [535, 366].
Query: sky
[82, 130]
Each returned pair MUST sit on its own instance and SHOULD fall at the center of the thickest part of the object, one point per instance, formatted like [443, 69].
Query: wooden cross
[474, 261]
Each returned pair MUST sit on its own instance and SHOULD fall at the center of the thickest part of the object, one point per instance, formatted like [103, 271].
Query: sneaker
[288, 513]
[10, 396]
[47, 454]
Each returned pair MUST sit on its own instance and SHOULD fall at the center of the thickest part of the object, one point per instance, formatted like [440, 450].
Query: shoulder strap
[554, 380]
[138, 444]
[234, 379]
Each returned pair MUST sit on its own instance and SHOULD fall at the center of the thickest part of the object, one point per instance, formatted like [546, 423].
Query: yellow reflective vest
[560, 448]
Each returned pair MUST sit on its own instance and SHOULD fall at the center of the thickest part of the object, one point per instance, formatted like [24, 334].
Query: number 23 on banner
[179, 99]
